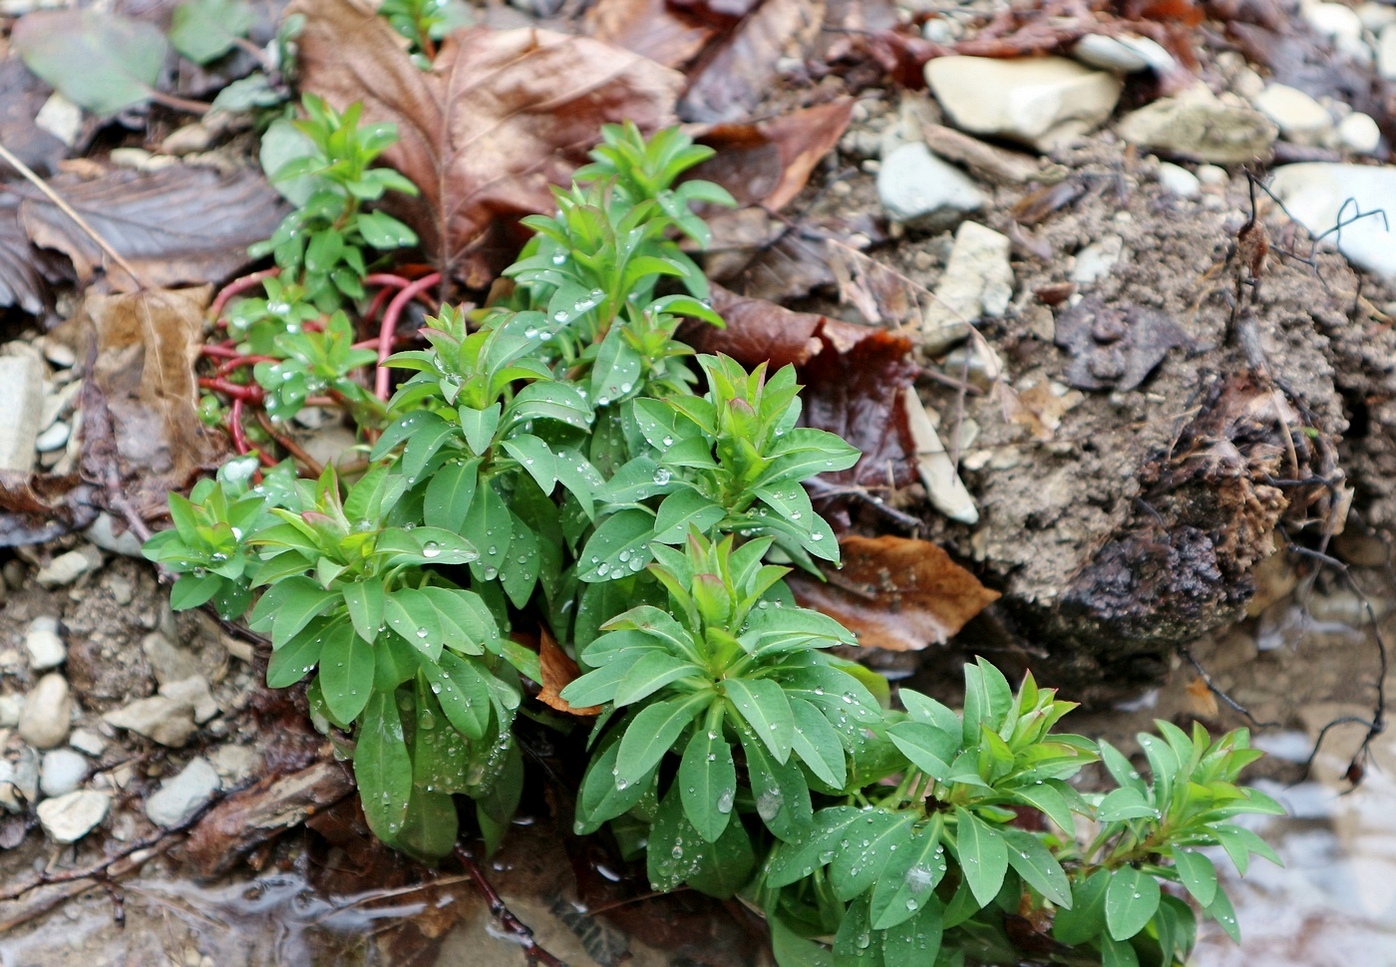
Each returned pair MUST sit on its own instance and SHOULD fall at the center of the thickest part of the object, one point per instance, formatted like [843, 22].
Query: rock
[103, 534]
[67, 568]
[10, 800]
[21, 410]
[61, 118]
[1314, 192]
[978, 281]
[85, 740]
[69, 818]
[944, 487]
[919, 190]
[169, 662]
[26, 774]
[1333, 20]
[236, 762]
[1375, 16]
[193, 691]
[1300, 118]
[1199, 125]
[190, 139]
[159, 717]
[182, 795]
[1042, 101]
[1213, 176]
[60, 771]
[54, 438]
[60, 354]
[1128, 55]
[44, 647]
[10, 708]
[48, 712]
[1095, 261]
[1386, 53]
[1359, 133]
[1177, 180]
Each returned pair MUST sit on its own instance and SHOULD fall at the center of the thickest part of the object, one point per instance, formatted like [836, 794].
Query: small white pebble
[1213, 175]
[1359, 132]
[1177, 180]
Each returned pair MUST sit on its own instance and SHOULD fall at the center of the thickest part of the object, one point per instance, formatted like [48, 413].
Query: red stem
[239, 361]
[235, 428]
[236, 286]
[240, 394]
[386, 331]
[220, 352]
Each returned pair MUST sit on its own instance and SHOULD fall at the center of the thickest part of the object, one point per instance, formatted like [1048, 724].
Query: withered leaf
[651, 28]
[558, 671]
[176, 226]
[25, 94]
[21, 282]
[146, 346]
[768, 162]
[736, 75]
[896, 593]
[500, 117]
[39, 507]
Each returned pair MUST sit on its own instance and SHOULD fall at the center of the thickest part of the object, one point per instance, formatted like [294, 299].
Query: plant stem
[236, 286]
[386, 331]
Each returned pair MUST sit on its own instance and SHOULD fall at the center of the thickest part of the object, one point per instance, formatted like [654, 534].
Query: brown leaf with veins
[895, 593]
[736, 75]
[501, 116]
[558, 670]
[651, 28]
[37, 507]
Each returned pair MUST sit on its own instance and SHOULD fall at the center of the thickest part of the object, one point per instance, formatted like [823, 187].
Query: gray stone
[1109, 53]
[158, 717]
[1335, 21]
[1096, 260]
[1314, 192]
[1386, 53]
[1213, 176]
[10, 708]
[193, 691]
[1177, 180]
[60, 771]
[69, 818]
[235, 762]
[61, 118]
[1374, 16]
[103, 534]
[1045, 102]
[26, 774]
[43, 645]
[85, 740]
[1359, 133]
[10, 800]
[978, 281]
[21, 410]
[1299, 117]
[54, 438]
[182, 795]
[170, 662]
[920, 190]
[67, 568]
[48, 712]
[190, 139]
[1199, 125]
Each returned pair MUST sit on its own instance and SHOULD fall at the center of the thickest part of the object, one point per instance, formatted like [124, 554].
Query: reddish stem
[235, 429]
[387, 279]
[239, 361]
[220, 352]
[236, 286]
[389, 327]
[376, 306]
[240, 394]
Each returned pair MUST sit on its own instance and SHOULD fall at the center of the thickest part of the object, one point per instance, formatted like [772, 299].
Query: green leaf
[424, 545]
[908, 883]
[1239, 843]
[1086, 917]
[551, 401]
[430, 826]
[929, 748]
[708, 781]
[1198, 874]
[1125, 803]
[460, 687]
[536, 458]
[384, 232]
[983, 855]
[99, 61]
[491, 524]
[915, 942]
[619, 547]
[346, 672]
[725, 867]
[479, 427]
[815, 847]
[1120, 769]
[288, 607]
[410, 614]
[602, 798]
[873, 842]
[418, 421]
[449, 494]
[204, 30]
[422, 446]
[382, 766]
[651, 673]
[653, 732]
[518, 574]
[1046, 797]
[675, 851]
[762, 704]
[365, 602]
[818, 745]
[1130, 902]
[1035, 863]
[780, 789]
[1117, 953]
[295, 658]
[684, 509]
[191, 591]
[1220, 910]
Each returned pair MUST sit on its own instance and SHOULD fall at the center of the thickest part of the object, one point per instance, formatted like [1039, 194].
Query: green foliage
[549, 462]
[205, 30]
[100, 61]
[321, 245]
[425, 23]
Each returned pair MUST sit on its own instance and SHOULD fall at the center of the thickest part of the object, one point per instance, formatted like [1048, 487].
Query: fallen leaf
[35, 508]
[769, 162]
[500, 117]
[558, 671]
[651, 28]
[21, 281]
[144, 372]
[734, 76]
[882, 295]
[100, 61]
[176, 226]
[1201, 702]
[895, 593]
[758, 331]
[24, 97]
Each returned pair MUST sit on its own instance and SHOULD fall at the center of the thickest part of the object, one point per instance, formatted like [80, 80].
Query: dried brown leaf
[25, 94]
[651, 28]
[176, 226]
[35, 508]
[895, 593]
[558, 671]
[736, 75]
[500, 117]
[21, 279]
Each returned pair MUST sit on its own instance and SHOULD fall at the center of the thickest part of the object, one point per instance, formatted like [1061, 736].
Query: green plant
[551, 466]
[425, 23]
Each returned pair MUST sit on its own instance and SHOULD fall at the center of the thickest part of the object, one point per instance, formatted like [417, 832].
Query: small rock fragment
[1359, 133]
[193, 691]
[1046, 102]
[1095, 261]
[920, 190]
[48, 712]
[1334, 21]
[68, 818]
[944, 488]
[85, 740]
[182, 795]
[1300, 118]
[190, 139]
[1113, 348]
[170, 662]
[44, 647]
[67, 568]
[978, 281]
[235, 762]
[1109, 53]
[61, 118]
[1386, 53]
[1177, 180]
[54, 438]
[1315, 192]
[1198, 124]
[60, 771]
[1213, 176]
[21, 410]
[10, 708]
[158, 717]
[103, 534]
